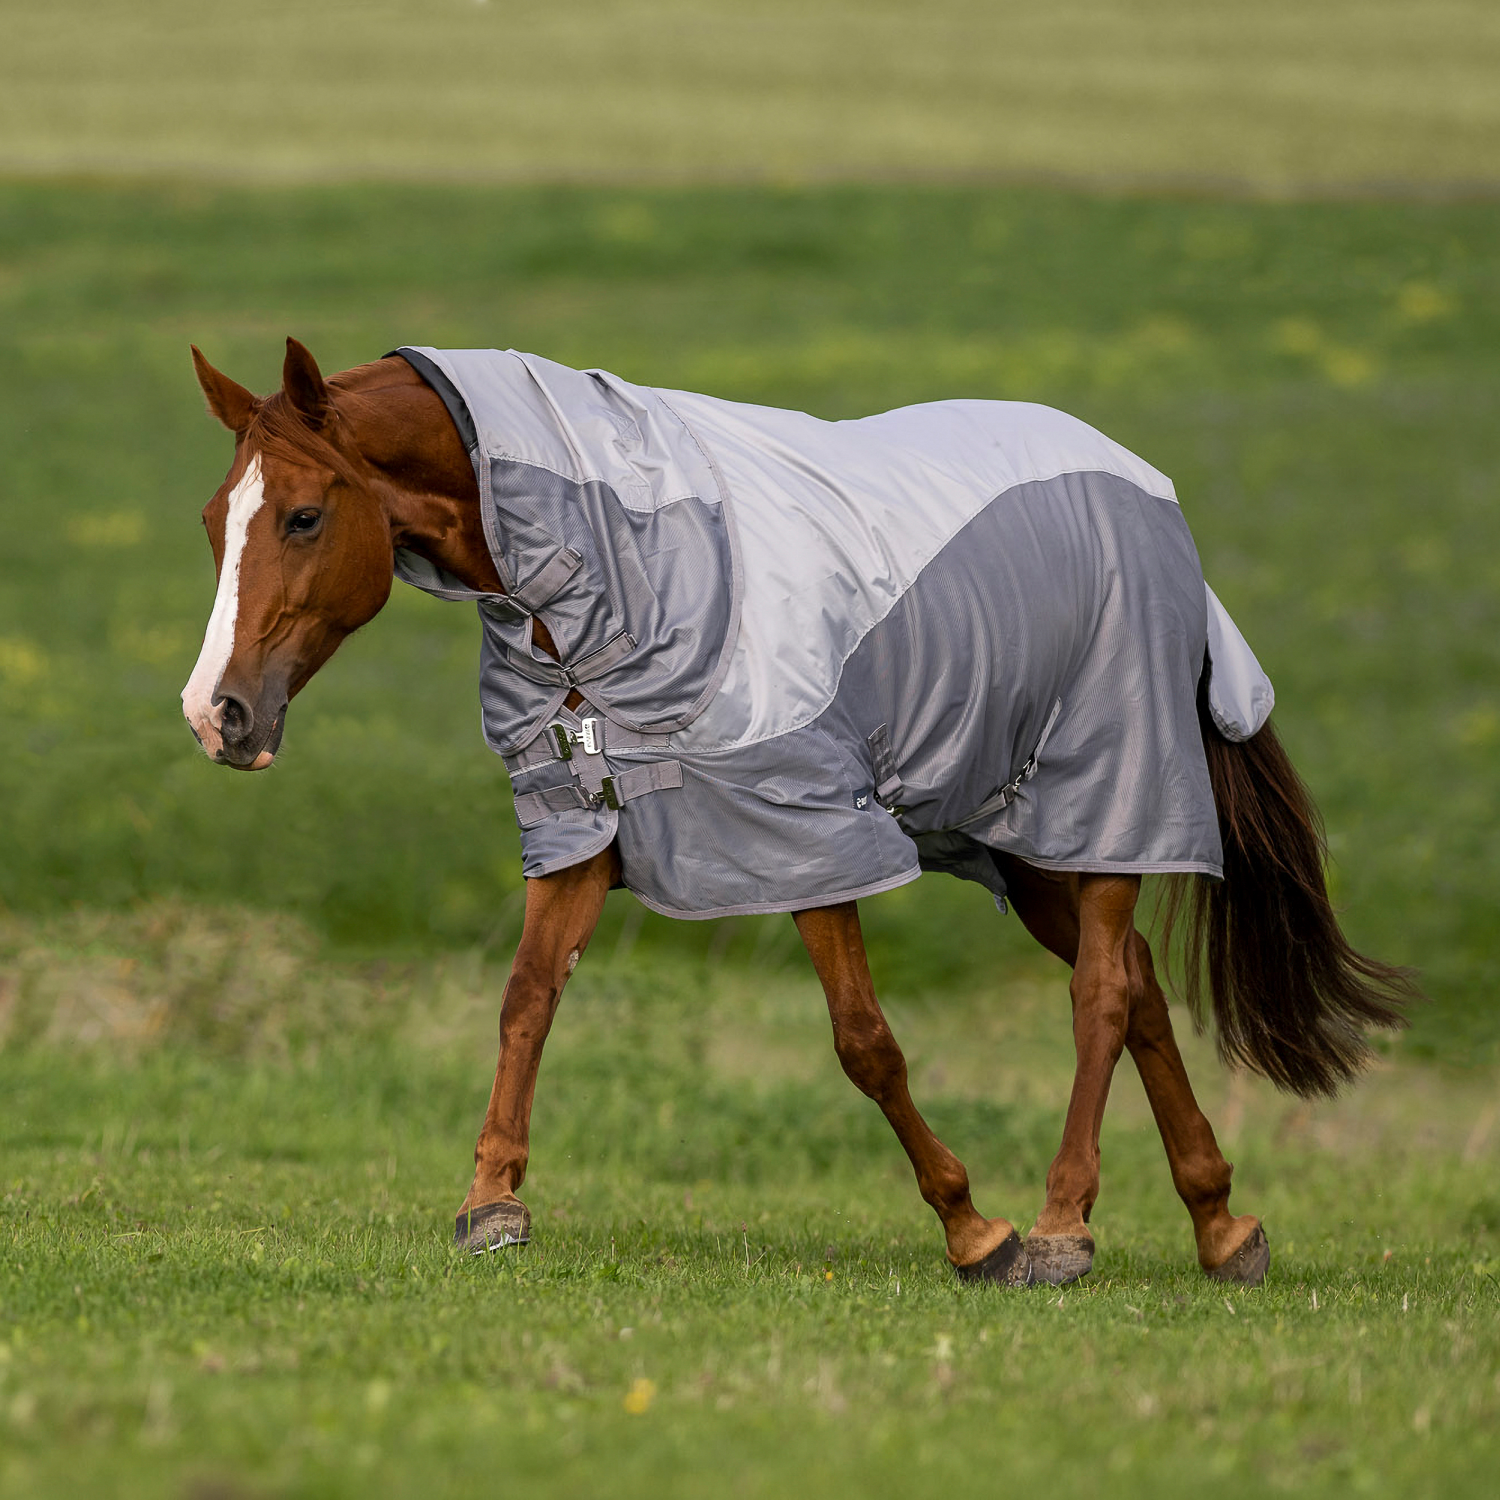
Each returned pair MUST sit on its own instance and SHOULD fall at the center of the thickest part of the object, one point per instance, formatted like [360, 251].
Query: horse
[403, 466]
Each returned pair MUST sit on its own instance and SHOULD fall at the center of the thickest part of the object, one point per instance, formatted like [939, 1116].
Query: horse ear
[230, 402]
[303, 383]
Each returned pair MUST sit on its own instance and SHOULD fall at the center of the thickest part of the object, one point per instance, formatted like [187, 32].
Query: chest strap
[590, 736]
[614, 791]
[582, 749]
[547, 580]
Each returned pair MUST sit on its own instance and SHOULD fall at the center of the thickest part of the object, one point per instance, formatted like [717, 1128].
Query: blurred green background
[246, 1023]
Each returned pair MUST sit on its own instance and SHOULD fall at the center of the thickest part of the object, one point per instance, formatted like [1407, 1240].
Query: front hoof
[493, 1226]
[1248, 1264]
[1006, 1265]
[1058, 1259]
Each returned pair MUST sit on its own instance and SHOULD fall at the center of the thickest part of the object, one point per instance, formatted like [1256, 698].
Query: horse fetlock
[1072, 1189]
[945, 1190]
[1204, 1190]
[499, 1169]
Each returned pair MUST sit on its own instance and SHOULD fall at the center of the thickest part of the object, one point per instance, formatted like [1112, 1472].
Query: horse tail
[1291, 998]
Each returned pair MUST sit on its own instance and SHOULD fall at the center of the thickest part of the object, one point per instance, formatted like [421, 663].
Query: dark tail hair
[1291, 998]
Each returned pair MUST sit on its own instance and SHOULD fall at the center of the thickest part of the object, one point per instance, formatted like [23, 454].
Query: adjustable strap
[542, 586]
[1006, 795]
[547, 580]
[883, 762]
[594, 735]
[655, 776]
[532, 807]
[614, 791]
[594, 785]
[585, 669]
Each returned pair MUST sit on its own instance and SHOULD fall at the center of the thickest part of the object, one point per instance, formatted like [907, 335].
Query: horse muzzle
[246, 742]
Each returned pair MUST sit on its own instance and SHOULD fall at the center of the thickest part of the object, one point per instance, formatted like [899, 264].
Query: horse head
[303, 549]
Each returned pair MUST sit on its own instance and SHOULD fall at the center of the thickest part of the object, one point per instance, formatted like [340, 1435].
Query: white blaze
[245, 499]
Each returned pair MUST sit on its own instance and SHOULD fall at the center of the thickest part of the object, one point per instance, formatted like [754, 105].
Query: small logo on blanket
[862, 799]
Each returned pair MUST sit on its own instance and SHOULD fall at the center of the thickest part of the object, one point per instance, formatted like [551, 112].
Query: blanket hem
[779, 908]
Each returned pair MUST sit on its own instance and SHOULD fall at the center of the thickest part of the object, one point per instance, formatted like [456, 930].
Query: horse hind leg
[979, 1249]
[1230, 1248]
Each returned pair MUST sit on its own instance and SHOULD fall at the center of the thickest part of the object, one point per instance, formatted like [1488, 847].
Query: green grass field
[222, 1270]
[247, 1023]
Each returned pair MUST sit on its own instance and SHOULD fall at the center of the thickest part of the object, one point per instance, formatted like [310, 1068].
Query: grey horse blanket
[818, 657]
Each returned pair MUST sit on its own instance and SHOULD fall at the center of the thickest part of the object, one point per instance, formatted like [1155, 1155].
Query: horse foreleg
[1230, 1248]
[1060, 1245]
[979, 1248]
[561, 913]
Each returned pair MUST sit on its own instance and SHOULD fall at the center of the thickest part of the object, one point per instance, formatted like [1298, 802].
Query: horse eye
[303, 522]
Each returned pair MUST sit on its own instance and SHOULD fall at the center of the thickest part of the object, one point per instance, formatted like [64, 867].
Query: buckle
[607, 791]
[587, 734]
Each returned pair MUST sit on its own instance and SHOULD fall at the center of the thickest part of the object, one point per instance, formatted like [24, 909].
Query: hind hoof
[493, 1226]
[1006, 1265]
[1059, 1259]
[1248, 1264]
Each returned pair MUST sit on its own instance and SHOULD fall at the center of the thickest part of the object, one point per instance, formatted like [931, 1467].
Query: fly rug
[739, 659]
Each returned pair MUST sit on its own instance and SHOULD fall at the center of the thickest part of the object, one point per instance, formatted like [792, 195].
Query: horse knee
[869, 1057]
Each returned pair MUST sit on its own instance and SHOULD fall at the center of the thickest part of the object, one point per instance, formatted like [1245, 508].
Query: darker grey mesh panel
[1081, 589]
[664, 577]
[632, 563]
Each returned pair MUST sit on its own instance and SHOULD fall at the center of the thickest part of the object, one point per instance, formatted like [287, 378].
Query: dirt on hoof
[1006, 1265]
[1248, 1264]
[493, 1226]
[1058, 1259]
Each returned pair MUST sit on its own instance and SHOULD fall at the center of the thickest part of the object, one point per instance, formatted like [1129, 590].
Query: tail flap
[1240, 695]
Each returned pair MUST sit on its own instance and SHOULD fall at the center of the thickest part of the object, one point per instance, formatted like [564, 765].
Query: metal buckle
[607, 791]
[587, 735]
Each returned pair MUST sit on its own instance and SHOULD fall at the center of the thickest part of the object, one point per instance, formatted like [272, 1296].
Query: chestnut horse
[330, 477]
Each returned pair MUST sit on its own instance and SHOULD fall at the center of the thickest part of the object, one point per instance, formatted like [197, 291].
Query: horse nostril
[237, 721]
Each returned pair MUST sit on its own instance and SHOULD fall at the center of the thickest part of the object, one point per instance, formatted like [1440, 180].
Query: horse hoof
[1006, 1265]
[1248, 1264]
[493, 1226]
[1058, 1259]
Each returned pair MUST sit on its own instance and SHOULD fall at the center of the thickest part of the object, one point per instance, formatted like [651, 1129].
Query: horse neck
[399, 427]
